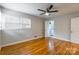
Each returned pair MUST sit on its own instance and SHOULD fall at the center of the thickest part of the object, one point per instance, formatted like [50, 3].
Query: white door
[75, 30]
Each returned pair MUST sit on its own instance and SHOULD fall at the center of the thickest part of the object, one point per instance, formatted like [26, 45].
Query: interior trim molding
[22, 41]
[76, 42]
[65, 40]
[35, 39]
[61, 38]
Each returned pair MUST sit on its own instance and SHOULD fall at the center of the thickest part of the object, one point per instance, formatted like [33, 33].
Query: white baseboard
[33, 39]
[21, 41]
[61, 38]
[66, 40]
[76, 42]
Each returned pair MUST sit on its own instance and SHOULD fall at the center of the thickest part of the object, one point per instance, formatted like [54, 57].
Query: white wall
[63, 25]
[12, 36]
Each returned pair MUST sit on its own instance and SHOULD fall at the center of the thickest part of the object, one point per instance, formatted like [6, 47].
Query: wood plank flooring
[42, 46]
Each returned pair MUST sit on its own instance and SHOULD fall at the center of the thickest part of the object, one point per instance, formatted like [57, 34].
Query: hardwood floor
[42, 46]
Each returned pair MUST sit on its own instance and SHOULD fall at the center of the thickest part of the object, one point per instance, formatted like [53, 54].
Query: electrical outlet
[35, 36]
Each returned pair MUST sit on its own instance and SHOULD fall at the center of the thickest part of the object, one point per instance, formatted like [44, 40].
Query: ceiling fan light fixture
[48, 11]
[47, 14]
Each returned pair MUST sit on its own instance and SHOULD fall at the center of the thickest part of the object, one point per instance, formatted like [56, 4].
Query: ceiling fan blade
[42, 13]
[53, 11]
[41, 10]
[50, 7]
[47, 10]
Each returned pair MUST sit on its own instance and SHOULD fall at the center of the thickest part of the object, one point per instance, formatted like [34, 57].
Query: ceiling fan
[48, 10]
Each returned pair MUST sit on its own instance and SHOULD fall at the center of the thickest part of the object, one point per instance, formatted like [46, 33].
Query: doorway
[49, 28]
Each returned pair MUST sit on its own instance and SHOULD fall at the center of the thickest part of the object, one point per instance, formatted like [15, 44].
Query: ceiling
[31, 8]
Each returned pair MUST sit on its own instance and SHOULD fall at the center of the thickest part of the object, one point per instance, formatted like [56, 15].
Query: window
[15, 22]
[26, 23]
